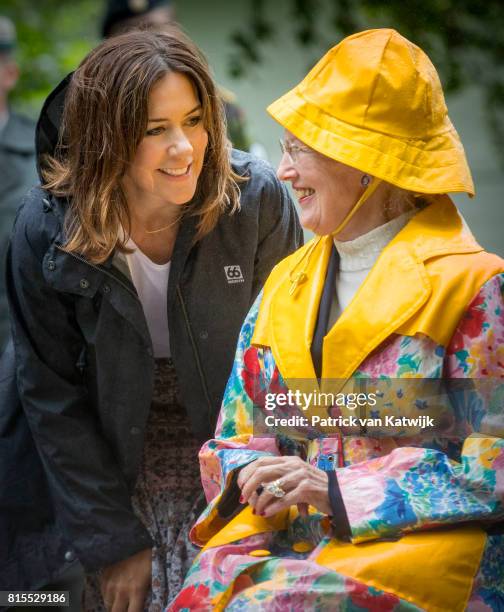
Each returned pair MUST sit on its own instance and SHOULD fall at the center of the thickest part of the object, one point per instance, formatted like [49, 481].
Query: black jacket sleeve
[89, 493]
[339, 519]
[280, 232]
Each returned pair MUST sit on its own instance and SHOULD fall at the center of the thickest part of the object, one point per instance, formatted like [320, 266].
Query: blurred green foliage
[464, 39]
[53, 37]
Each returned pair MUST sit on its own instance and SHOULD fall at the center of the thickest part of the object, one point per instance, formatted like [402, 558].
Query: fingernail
[263, 513]
[242, 499]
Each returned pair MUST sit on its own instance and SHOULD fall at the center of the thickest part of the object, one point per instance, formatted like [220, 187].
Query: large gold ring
[274, 488]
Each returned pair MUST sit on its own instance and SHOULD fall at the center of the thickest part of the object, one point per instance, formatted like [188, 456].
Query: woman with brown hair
[129, 273]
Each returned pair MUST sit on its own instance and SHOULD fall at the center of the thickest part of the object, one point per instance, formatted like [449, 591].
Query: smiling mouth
[303, 194]
[176, 172]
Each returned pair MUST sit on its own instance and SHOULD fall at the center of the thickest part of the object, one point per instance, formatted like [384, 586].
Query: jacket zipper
[196, 355]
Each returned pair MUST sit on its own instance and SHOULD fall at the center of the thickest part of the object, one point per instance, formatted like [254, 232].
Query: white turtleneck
[357, 257]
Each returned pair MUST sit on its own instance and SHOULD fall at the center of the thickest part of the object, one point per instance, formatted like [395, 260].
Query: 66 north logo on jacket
[233, 274]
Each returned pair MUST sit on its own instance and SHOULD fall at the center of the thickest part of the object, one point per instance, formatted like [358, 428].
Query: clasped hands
[303, 485]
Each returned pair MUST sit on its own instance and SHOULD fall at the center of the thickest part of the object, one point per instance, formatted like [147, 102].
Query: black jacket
[75, 392]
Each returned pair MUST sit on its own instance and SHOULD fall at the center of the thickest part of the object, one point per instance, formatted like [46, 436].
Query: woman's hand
[125, 584]
[303, 484]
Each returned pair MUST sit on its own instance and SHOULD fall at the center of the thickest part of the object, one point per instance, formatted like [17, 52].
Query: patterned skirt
[168, 495]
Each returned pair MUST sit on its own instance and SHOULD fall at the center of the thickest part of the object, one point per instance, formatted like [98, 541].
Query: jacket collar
[183, 245]
[70, 273]
[395, 289]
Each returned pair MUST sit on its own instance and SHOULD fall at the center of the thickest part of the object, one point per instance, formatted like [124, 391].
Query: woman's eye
[155, 131]
[193, 121]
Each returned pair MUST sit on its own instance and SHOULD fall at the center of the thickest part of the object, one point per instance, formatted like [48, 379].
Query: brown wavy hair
[105, 118]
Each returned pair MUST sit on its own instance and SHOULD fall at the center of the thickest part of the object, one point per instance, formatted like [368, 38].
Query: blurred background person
[17, 155]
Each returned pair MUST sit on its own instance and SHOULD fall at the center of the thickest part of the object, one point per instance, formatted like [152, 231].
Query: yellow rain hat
[375, 102]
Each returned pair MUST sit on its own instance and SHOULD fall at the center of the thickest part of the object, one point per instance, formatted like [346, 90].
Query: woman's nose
[179, 143]
[286, 170]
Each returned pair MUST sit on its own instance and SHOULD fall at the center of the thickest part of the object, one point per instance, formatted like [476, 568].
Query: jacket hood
[49, 123]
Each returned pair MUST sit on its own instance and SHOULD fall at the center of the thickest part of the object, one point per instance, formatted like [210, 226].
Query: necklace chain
[162, 229]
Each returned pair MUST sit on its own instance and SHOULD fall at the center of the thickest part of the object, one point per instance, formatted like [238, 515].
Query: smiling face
[169, 158]
[326, 190]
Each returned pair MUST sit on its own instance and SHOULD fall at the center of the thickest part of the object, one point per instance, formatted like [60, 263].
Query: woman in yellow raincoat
[401, 507]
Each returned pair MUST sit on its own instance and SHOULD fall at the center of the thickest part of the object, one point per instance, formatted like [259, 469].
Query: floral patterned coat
[424, 509]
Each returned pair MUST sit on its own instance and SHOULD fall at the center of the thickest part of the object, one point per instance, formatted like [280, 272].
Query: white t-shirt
[151, 282]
